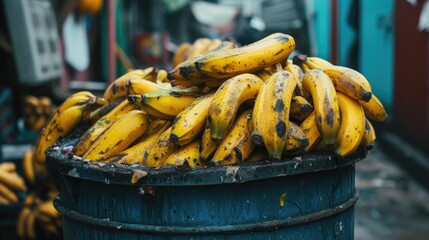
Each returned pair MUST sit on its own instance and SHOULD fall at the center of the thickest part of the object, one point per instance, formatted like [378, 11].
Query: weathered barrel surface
[306, 197]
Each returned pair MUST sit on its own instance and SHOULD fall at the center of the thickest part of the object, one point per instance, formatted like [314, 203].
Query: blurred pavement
[392, 204]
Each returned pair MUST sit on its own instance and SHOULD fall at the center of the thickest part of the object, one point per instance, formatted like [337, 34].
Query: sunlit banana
[88, 138]
[208, 145]
[136, 153]
[369, 136]
[188, 155]
[189, 122]
[160, 151]
[374, 109]
[263, 53]
[118, 136]
[297, 75]
[350, 82]
[325, 104]
[271, 113]
[237, 144]
[352, 126]
[300, 108]
[309, 128]
[28, 166]
[168, 103]
[228, 98]
[180, 54]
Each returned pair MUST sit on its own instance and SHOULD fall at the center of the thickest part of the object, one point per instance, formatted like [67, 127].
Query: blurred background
[52, 48]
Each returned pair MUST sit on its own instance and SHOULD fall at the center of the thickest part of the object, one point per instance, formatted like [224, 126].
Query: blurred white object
[76, 42]
[424, 18]
[34, 37]
[213, 14]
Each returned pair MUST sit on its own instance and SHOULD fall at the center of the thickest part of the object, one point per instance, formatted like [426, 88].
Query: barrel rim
[122, 174]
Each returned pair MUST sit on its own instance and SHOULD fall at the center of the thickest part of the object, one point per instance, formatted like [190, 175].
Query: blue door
[377, 46]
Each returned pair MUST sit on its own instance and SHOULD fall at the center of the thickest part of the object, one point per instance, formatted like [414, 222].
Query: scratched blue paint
[214, 205]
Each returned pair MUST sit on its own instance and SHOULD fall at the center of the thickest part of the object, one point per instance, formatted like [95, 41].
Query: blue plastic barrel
[306, 197]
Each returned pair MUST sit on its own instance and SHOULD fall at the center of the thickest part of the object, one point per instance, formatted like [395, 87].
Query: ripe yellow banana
[237, 144]
[300, 108]
[297, 74]
[208, 145]
[160, 151]
[118, 136]
[28, 166]
[263, 53]
[166, 102]
[99, 112]
[317, 63]
[352, 126]
[263, 74]
[325, 104]
[198, 47]
[88, 138]
[374, 109]
[271, 113]
[63, 120]
[119, 88]
[228, 98]
[309, 128]
[296, 140]
[180, 54]
[135, 154]
[369, 136]
[189, 122]
[350, 82]
[8, 194]
[188, 155]
[215, 43]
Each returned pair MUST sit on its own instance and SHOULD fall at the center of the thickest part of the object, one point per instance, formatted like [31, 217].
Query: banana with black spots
[297, 74]
[189, 122]
[325, 104]
[230, 95]
[350, 82]
[163, 104]
[118, 136]
[258, 55]
[369, 136]
[300, 108]
[311, 132]
[237, 144]
[271, 113]
[374, 109]
[187, 155]
[352, 126]
[160, 151]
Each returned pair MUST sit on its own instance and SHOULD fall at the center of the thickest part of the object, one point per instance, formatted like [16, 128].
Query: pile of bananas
[38, 218]
[10, 183]
[36, 112]
[222, 105]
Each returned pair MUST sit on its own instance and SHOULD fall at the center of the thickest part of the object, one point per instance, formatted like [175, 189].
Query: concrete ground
[392, 204]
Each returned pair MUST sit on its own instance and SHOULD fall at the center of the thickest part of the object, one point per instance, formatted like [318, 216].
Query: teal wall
[322, 28]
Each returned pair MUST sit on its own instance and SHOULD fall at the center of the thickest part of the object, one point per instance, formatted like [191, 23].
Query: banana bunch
[36, 112]
[225, 105]
[64, 119]
[10, 183]
[38, 219]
